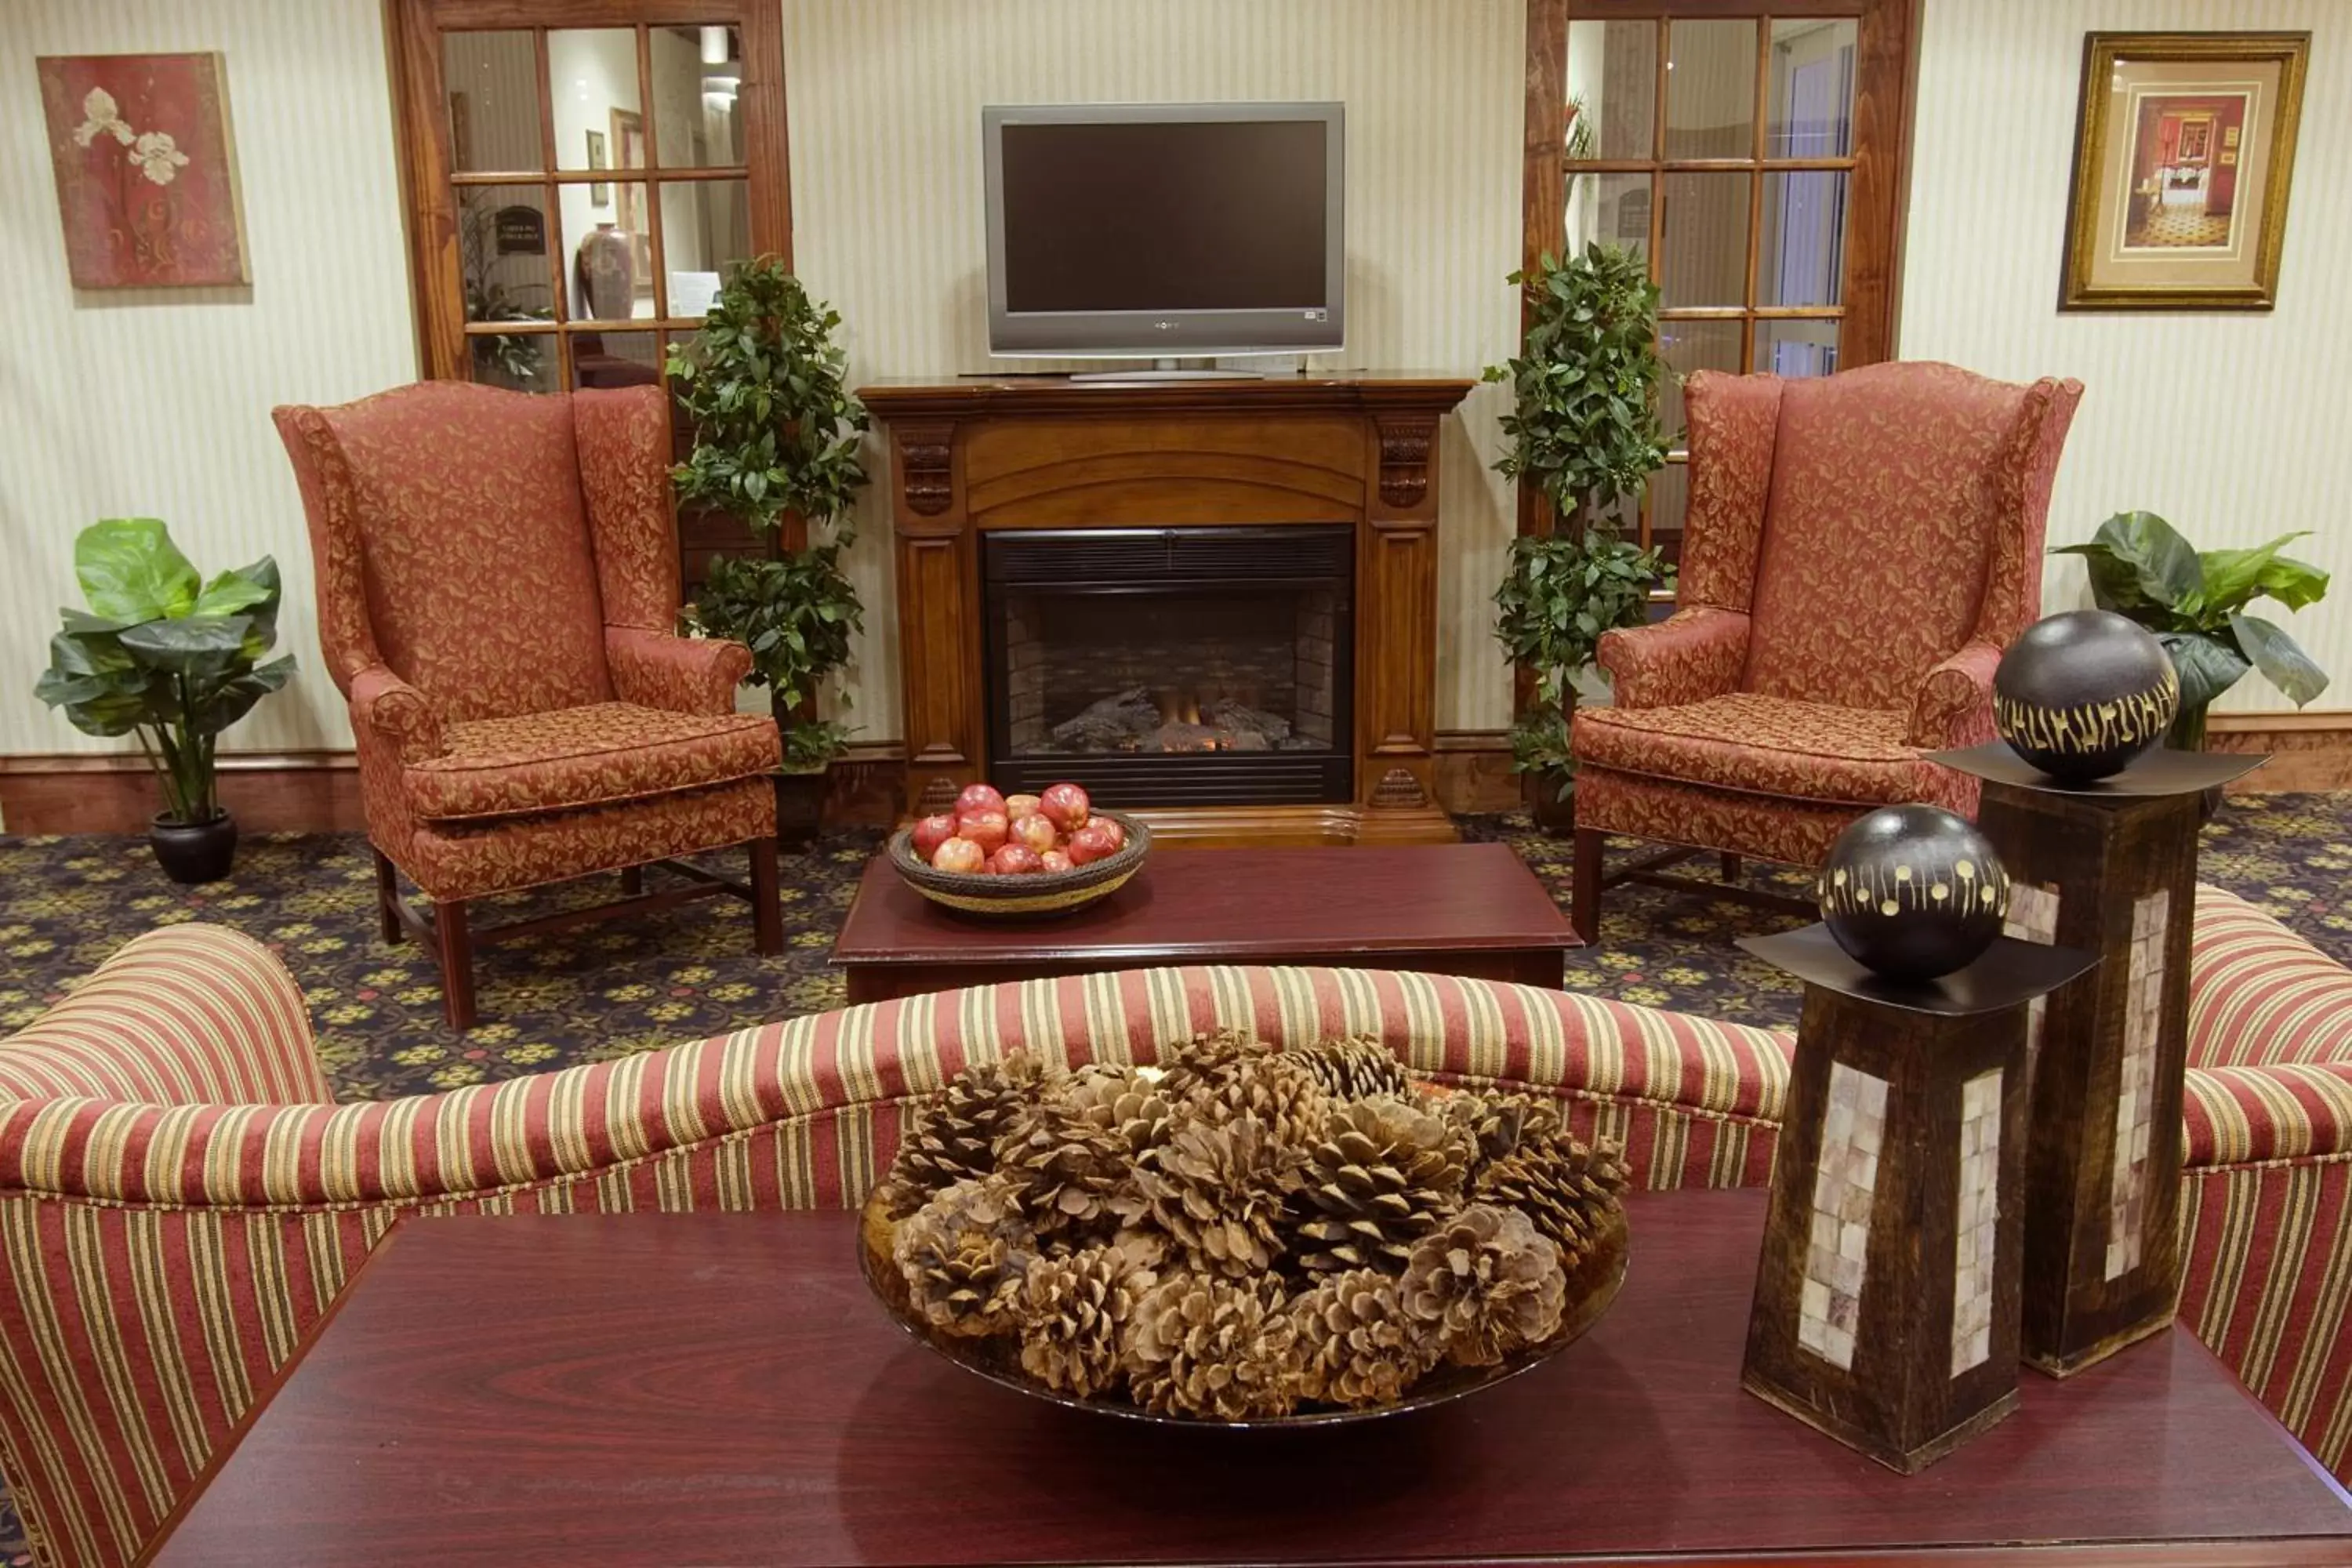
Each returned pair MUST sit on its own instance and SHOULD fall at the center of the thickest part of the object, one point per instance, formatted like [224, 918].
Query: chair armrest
[1953, 707]
[387, 709]
[190, 1015]
[1689, 657]
[679, 675]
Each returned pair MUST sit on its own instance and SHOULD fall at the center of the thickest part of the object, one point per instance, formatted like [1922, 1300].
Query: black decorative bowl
[2082, 694]
[1913, 892]
[1037, 893]
[1592, 1285]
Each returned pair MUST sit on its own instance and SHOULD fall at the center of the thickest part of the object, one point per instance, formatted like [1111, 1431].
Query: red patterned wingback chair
[498, 585]
[1858, 551]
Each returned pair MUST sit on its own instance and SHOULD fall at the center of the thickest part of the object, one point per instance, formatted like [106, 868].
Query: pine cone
[1357, 1345]
[1278, 1090]
[964, 1254]
[1383, 1172]
[1485, 1283]
[1568, 1189]
[1501, 1123]
[952, 1136]
[1359, 1067]
[1121, 1101]
[1064, 1163]
[1216, 1190]
[1205, 1059]
[1076, 1317]
[1216, 1348]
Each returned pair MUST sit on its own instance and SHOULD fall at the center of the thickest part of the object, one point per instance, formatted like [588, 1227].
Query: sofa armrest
[1953, 707]
[190, 1015]
[2258, 1115]
[2259, 994]
[679, 675]
[388, 709]
[1689, 657]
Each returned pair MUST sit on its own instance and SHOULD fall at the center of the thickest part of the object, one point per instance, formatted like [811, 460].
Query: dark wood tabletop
[1454, 908]
[721, 1389]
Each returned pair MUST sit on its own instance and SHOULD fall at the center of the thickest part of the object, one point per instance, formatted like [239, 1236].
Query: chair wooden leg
[632, 881]
[1584, 895]
[456, 964]
[1730, 864]
[767, 903]
[387, 899]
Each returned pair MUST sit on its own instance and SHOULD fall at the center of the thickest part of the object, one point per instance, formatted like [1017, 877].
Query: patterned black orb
[1913, 892]
[2082, 694]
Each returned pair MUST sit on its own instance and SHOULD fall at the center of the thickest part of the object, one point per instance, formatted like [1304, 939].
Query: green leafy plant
[1583, 424]
[1561, 592]
[1583, 427]
[762, 383]
[796, 615]
[162, 655]
[776, 434]
[2195, 602]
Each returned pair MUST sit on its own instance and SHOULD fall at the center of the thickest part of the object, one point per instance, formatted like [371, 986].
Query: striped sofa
[180, 1199]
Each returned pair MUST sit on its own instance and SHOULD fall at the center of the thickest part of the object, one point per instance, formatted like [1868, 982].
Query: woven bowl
[1591, 1285]
[1040, 893]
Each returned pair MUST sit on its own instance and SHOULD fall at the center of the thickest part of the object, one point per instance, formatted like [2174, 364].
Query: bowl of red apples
[1022, 854]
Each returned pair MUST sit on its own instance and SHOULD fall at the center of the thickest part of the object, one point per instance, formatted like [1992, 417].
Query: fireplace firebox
[1207, 666]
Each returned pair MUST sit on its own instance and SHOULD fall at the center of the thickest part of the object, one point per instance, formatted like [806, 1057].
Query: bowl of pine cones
[1242, 1236]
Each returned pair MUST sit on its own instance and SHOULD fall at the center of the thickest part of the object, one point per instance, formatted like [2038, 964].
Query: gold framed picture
[2184, 148]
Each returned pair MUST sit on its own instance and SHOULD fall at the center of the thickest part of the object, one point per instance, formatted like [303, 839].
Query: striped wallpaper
[158, 402]
[2231, 425]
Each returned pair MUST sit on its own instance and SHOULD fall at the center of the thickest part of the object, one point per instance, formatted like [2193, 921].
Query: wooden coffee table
[720, 1388]
[1450, 908]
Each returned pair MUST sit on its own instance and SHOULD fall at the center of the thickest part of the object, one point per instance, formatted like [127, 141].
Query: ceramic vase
[1913, 892]
[2082, 694]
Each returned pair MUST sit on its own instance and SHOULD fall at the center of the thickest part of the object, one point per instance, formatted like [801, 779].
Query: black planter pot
[1554, 812]
[799, 806]
[193, 852]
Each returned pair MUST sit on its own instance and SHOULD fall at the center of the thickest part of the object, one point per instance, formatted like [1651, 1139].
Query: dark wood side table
[1451, 909]
[720, 1389]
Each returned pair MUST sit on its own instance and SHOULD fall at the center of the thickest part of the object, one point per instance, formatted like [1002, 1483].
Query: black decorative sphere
[2082, 694]
[1913, 891]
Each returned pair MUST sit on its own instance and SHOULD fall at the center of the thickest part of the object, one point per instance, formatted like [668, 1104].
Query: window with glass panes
[1721, 140]
[582, 184]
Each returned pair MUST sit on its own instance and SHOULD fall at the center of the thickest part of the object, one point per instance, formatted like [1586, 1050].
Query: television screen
[1161, 229]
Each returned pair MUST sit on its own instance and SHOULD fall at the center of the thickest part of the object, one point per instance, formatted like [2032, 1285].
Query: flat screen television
[1123, 230]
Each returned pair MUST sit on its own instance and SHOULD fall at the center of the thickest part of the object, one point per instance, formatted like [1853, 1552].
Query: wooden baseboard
[319, 791]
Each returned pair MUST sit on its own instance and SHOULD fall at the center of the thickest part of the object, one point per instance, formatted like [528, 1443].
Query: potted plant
[776, 430]
[1583, 427]
[172, 659]
[2195, 603]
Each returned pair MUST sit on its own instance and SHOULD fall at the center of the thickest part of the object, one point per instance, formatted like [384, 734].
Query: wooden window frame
[1885, 58]
[429, 178]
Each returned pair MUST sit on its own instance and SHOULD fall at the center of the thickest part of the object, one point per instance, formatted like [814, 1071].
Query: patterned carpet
[607, 991]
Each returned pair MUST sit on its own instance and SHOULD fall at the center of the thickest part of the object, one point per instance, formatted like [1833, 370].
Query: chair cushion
[592, 756]
[1762, 745]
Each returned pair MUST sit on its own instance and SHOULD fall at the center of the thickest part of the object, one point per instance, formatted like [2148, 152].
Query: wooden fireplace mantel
[1034, 452]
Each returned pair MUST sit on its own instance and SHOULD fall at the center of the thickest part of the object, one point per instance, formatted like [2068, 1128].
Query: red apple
[1035, 832]
[1017, 806]
[989, 829]
[1054, 860]
[979, 797]
[1090, 844]
[959, 855]
[933, 832]
[1110, 825]
[1016, 860]
[1065, 805]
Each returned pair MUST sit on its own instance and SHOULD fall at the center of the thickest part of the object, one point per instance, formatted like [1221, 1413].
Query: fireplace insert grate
[1172, 665]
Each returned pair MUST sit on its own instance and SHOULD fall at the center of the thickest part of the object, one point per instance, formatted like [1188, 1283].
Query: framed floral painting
[146, 169]
[2184, 148]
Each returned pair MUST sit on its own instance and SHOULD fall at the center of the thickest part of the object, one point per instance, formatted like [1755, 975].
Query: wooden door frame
[1885, 76]
[421, 134]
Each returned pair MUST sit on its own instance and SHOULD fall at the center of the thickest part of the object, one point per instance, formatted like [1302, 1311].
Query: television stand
[1167, 370]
